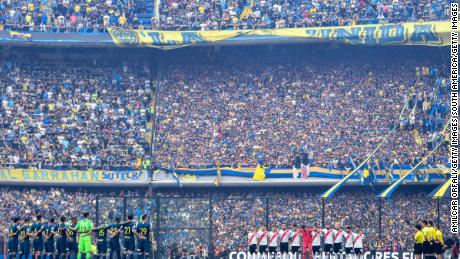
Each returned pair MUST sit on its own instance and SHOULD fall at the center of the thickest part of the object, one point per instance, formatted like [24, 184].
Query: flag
[388, 171]
[295, 172]
[218, 175]
[442, 191]
[20, 35]
[189, 177]
[176, 177]
[259, 173]
[443, 168]
[305, 171]
[417, 137]
[365, 177]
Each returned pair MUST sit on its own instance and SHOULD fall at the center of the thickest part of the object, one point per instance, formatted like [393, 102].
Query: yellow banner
[73, 176]
[422, 33]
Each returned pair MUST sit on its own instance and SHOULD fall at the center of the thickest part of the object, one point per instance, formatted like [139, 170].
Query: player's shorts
[272, 249]
[84, 246]
[24, 247]
[295, 249]
[252, 249]
[262, 249]
[431, 248]
[418, 249]
[426, 247]
[328, 248]
[37, 245]
[348, 250]
[49, 246]
[101, 246]
[61, 245]
[13, 245]
[72, 246]
[438, 248]
[128, 244]
[358, 251]
[114, 244]
[143, 246]
[316, 249]
[337, 247]
[284, 247]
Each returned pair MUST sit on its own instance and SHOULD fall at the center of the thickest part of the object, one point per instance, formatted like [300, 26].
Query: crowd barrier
[420, 33]
[425, 173]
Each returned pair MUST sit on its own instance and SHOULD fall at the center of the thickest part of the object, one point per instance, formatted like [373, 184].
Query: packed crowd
[245, 14]
[67, 115]
[234, 212]
[69, 15]
[306, 107]
[98, 15]
[325, 109]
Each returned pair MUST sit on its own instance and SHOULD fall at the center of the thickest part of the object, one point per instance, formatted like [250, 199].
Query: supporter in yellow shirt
[122, 20]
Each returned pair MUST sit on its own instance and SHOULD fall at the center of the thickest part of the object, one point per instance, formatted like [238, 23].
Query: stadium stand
[68, 115]
[299, 106]
[298, 109]
[97, 16]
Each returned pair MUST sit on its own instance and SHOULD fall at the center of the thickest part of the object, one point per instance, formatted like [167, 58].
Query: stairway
[144, 10]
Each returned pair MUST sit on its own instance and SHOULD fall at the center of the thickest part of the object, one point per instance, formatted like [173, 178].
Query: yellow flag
[417, 138]
[218, 176]
[365, 173]
[259, 173]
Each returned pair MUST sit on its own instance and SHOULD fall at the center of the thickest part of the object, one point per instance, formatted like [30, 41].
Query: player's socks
[131, 256]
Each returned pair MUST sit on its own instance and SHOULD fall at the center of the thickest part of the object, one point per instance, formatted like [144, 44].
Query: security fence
[217, 220]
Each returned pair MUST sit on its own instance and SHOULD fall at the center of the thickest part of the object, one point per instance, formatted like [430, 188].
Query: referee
[419, 239]
[428, 244]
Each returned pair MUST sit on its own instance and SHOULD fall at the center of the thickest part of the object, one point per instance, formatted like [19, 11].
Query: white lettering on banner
[247, 255]
[390, 255]
[367, 255]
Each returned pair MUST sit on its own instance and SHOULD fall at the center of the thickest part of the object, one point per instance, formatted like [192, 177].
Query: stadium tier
[289, 109]
[98, 15]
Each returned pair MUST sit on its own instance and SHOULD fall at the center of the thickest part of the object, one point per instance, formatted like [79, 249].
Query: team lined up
[60, 240]
[306, 240]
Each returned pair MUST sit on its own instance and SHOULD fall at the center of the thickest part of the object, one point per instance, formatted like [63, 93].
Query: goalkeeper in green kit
[84, 228]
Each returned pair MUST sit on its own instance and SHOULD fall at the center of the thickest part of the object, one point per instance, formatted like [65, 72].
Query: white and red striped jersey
[284, 235]
[316, 238]
[262, 238]
[358, 240]
[339, 235]
[252, 238]
[349, 239]
[295, 238]
[329, 236]
[273, 237]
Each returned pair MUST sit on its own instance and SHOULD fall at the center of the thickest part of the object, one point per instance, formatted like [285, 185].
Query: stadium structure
[212, 133]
